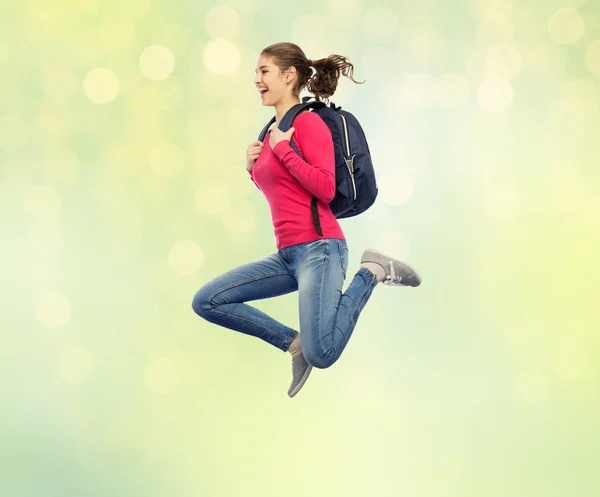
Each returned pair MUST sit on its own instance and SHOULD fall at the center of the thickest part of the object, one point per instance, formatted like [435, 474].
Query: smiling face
[269, 77]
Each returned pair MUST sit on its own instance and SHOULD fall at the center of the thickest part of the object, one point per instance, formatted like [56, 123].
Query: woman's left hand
[277, 135]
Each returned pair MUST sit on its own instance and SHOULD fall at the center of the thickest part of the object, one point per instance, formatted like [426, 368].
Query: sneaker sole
[301, 382]
[387, 257]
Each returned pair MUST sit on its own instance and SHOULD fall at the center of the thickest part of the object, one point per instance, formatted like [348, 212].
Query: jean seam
[288, 341]
[370, 287]
[251, 322]
[211, 305]
[321, 283]
[339, 244]
[285, 254]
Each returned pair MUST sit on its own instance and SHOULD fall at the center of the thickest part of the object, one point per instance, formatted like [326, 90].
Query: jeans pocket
[343, 251]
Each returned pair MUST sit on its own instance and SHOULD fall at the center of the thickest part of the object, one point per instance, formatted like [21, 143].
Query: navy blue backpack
[356, 187]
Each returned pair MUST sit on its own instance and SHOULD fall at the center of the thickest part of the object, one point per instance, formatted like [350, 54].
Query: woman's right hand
[254, 150]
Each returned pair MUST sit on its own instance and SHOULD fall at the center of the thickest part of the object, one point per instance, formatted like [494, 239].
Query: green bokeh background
[123, 190]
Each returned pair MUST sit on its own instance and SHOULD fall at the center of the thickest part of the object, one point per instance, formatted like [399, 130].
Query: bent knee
[201, 303]
[319, 360]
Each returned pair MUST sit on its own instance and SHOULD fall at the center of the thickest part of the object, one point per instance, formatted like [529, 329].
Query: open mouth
[262, 92]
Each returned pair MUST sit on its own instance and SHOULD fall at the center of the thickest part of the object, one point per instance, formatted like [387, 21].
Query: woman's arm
[252, 177]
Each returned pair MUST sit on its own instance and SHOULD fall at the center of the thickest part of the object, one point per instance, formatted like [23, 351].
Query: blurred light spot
[419, 90]
[173, 36]
[222, 22]
[75, 364]
[212, 198]
[491, 8]
[495, 95]
[452, 90]
[380, 24]
[186, 257]
[101, 86]
[59, 85]
[566, 26]
[13, 133]
[494, 30]
[166, 159]
[531, 387]
[504, 61]
[53, 310]
[162, 376]
[240, 218]
[157, 62]
[394, 243]
[592, 57]
[395, 188]
[580, 98]
[221, 57]
[43, 201]
[502, 203]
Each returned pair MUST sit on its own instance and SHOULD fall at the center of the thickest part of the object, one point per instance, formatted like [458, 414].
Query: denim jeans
[317, 270]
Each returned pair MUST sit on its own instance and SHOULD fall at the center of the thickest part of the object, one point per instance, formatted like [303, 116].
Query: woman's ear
[289, 75]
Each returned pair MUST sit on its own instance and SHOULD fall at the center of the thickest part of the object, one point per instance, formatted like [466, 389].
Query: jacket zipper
[349, 163]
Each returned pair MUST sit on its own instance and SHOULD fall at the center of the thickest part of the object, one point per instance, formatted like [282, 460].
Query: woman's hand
[277, 135]
[254, 150]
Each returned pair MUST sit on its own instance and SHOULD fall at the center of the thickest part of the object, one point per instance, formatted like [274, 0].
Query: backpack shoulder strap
[264, 131]
[288, 119]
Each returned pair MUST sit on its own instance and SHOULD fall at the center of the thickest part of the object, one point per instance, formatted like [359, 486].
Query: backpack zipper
[349, 163]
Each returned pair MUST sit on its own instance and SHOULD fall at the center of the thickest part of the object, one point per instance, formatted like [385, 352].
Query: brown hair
[323, 83]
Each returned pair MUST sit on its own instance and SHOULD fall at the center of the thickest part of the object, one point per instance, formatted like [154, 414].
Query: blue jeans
[317, 270]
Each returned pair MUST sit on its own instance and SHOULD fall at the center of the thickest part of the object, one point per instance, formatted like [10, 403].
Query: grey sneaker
[300, 372]
[397, 273]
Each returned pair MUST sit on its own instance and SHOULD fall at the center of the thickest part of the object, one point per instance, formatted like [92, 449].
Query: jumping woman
[305, 261]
